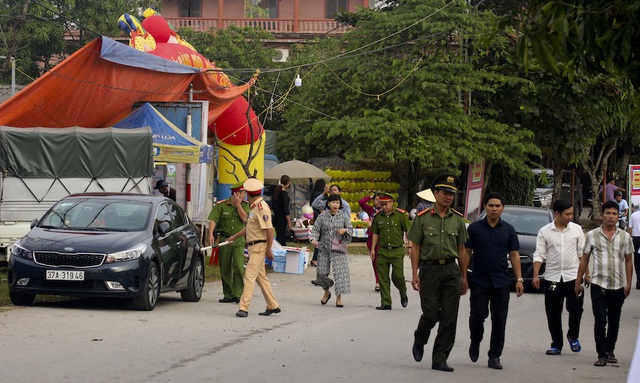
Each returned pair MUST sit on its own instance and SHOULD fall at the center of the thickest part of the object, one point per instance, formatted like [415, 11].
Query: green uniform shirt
[438, 237]
[391, 228]
[226, 217]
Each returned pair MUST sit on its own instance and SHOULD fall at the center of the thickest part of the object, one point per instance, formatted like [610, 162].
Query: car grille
[68, 285]
[72, 260]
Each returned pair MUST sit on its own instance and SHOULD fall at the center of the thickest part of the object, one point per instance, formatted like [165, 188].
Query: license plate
[65, 275]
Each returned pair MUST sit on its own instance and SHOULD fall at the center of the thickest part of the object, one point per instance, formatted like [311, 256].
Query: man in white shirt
[560, 243]
[634, 230]
[611, 276]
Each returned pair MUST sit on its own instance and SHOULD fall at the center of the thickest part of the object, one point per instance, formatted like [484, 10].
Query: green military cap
[447, 182]
[238, 186]
[385, 197]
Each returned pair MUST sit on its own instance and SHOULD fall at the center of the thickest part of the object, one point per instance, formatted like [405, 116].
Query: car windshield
[526, 222]
[97, 215]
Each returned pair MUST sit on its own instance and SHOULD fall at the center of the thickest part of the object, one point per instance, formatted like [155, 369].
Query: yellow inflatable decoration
[227, 162]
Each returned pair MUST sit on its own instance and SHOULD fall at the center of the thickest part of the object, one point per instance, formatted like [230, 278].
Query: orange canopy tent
[98, 85]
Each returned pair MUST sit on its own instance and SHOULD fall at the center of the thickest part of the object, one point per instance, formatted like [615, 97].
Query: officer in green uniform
[388, 228]
[438, 235]
[227, 218]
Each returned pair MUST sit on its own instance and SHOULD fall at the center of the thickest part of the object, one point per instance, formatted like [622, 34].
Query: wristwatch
[520, 280]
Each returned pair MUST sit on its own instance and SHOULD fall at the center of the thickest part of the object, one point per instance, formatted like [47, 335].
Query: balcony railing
[275, 26]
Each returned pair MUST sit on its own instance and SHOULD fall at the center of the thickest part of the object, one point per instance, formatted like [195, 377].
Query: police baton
[225, 243]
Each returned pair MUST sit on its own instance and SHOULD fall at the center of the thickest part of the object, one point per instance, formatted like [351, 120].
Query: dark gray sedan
[127, 246]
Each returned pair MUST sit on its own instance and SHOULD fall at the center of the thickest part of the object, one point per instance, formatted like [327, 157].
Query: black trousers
[483, 300]
[607, 307]
[554, 299]
[636, 259]
[439, 298]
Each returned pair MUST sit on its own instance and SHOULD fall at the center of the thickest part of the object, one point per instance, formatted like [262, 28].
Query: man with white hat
[259, 235]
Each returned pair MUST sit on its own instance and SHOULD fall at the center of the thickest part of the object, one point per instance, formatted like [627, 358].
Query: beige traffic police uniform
[258, 223]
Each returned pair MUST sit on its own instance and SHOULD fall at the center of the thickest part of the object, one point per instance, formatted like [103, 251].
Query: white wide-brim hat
[426, 195]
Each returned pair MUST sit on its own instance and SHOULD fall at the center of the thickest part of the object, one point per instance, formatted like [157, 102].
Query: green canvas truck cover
[75, 152]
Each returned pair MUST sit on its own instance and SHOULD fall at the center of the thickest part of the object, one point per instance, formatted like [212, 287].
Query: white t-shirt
[623, 206]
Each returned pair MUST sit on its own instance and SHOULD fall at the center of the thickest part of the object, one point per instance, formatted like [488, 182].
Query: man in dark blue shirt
[490, 240]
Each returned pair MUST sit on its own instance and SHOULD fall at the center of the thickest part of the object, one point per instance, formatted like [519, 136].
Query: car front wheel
[194, 292]
[150, 291]
[21, 299]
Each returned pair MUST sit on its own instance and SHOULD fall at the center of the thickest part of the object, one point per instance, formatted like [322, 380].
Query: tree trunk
[596, 167]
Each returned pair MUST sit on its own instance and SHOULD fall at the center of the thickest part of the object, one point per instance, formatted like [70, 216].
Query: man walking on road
[228, 217]
[489, 240]
[611, 277]
[259, 233]
[560, 243]
[438, 235]
[388, 228]
[634, 230]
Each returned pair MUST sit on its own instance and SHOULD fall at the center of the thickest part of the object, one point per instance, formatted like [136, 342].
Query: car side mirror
[34, 223]
[163, 228]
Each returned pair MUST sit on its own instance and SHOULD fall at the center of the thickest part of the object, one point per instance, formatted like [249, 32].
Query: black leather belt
[224, 235]
[256, 242]
[438, 262]
[390, 247]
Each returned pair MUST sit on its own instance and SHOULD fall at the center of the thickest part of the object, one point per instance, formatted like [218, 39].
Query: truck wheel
[150, 290]
[21, 299]
[194, 292]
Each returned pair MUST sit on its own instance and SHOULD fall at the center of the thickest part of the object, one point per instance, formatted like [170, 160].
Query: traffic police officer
[438, 235]
[228, 217]
[388, 228]
[259, 234]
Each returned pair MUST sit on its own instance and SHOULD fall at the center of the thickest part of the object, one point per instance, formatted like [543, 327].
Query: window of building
[190, 8]
[333, 7]
[261, 9]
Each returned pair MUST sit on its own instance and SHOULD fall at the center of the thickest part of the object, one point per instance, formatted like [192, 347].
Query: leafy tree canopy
[396, 92]
[594, 36]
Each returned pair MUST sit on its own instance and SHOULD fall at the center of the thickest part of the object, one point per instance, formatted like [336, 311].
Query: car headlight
[21, 252]
[545, 197]
[127, 255]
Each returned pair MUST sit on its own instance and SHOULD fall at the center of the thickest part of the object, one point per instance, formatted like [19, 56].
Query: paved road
[82, 341]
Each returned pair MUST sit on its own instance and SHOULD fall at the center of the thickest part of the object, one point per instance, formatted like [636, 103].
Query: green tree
[397, 91]
[40, 34]
[596, 36]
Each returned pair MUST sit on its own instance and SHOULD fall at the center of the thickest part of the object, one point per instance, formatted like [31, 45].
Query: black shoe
[418, 351]
[236, 300]
[268, 312]
[242, 314]
[227, 300]
[384, 307]
[404, 301]
[441, 367]
[474, 351]
[495, 363]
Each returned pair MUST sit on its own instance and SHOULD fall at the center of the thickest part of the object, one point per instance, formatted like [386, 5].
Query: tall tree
[396, 94]
[38, 34]
[594, 36]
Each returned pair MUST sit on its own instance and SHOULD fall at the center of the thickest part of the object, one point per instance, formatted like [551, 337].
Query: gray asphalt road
[82, 341]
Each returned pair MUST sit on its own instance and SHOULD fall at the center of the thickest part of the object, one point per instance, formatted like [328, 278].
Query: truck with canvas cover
[39, 166]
